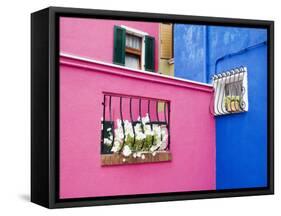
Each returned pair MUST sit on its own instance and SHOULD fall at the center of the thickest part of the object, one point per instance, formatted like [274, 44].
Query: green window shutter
[149, 53]
[119, 45]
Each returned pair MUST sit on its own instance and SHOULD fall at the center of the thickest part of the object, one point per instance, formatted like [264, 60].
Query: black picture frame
[45, 106]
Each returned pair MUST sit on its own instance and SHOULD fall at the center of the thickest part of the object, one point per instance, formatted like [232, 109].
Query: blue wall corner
[241, 139]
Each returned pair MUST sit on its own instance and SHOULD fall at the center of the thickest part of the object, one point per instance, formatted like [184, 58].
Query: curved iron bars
[132, 120]
[103, 123]
[233, 91]
[218, 98]
[122, 124]
[142, 129]
[237, 89]
[241, 87]
[167, 120]
[112, 122]
[242, 103]
[224, 77]
[228, 77]
[151, 125]
[234, 79]
[157, 115]
[231, 80]
[213, 98]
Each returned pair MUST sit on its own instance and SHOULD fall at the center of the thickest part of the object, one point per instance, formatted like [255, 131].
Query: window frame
[142, 35]
[134, 51]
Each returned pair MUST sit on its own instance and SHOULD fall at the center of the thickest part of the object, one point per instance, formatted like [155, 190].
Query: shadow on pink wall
[192, 133]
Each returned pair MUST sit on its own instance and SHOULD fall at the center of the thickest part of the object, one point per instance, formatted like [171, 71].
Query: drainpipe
[229, 55]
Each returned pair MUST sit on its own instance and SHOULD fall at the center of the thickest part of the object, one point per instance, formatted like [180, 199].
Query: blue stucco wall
[241, 139]
[189, 52]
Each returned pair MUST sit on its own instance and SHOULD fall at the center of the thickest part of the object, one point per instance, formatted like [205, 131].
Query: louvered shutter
[149, 53]
[119, 45]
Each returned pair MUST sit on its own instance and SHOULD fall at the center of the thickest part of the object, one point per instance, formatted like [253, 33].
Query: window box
[148, 157]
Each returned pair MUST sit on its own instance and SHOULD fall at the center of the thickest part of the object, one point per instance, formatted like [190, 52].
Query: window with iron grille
[134, 129]
[231, 92]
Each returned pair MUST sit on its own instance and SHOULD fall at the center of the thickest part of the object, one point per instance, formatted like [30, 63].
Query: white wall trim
[85, 59]
[134, 31]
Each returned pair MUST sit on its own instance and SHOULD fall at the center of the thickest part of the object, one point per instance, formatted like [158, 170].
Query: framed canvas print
[138, 107]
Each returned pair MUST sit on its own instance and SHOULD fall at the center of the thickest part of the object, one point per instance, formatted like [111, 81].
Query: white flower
[163, 145]
[153, 148]
[114, 149]
[124, 130]
[148, 131]
[116, 146]
[107, 141]
[128, 129]
[126, 151]
[140, 136]
[119, 134]
[124, 160]
[145, 119]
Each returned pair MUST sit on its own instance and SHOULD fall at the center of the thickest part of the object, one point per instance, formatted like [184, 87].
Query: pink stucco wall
[93, 38]
[192, 133]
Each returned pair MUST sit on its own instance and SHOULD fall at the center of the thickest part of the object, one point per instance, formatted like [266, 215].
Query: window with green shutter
[119, 45]
[133, 49]
[149, 53]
